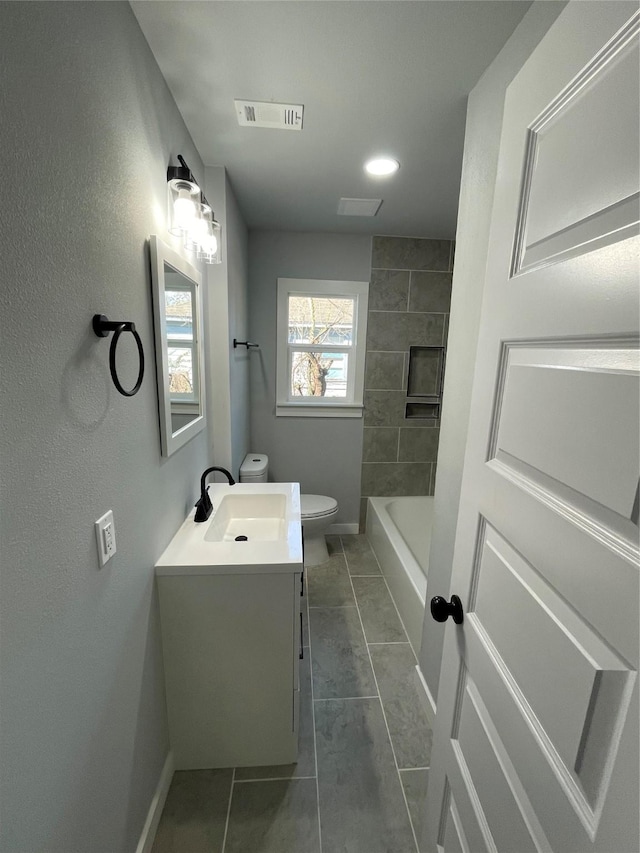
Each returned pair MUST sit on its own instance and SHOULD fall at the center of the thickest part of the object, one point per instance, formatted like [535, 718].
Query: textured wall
[238, 267]
[322, 454]
[228, 374]
[408, 306]
[482, 140]
[88, 128]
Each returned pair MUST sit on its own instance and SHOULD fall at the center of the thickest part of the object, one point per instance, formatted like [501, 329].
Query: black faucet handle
[204, 507]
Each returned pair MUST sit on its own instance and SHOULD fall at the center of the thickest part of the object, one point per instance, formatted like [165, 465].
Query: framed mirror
[177, 316]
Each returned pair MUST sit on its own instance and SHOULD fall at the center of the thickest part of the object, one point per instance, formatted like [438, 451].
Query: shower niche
[424, 382]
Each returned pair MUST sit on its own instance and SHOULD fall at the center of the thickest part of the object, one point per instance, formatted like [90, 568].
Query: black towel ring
[102, 326]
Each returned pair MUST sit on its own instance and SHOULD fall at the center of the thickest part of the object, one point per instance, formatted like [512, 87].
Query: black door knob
[441, 609]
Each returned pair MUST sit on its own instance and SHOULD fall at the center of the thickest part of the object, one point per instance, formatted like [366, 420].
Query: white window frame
[322, 407]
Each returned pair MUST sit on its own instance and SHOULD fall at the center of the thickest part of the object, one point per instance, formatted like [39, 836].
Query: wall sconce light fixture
[191, 216]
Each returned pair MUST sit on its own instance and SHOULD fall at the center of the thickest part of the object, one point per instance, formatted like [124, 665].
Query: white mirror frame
[162, 254]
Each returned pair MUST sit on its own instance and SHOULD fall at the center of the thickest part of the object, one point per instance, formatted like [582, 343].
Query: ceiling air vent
[268, 114]
[359, 206]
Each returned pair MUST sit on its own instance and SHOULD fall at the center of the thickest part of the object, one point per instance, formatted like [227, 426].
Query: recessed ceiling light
[381, 166]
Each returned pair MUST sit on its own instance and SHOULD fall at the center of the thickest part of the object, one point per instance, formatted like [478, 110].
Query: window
[181, 343]
[322, 330]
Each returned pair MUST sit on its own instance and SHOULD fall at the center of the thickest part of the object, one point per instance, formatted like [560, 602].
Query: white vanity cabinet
[231, 629]
[231, 648]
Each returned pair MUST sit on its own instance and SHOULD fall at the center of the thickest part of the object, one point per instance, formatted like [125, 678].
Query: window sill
[319, 410]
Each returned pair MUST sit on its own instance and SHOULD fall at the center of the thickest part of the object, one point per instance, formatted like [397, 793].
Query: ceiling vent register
[359, 206]
[268, 114]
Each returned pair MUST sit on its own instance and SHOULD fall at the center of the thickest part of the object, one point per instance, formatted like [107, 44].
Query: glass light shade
[198, 228]
[184, 201]
[211, 244]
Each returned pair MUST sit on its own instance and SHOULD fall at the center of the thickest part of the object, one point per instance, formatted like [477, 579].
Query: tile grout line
[313, 718]
[384, 716]
[382, 575]
[405, 370]
[390, 311]
[344, 698]
[399, 616]
[400, 770]
[284, 778]
[226, 825]
[412, 269]
[417, 661]
[392, 351]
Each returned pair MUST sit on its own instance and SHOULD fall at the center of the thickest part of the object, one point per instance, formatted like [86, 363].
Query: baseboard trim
[343, 528]
[425, 697]
[155, 809]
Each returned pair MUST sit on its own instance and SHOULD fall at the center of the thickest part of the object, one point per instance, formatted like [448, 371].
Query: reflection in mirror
[177, 316]
[184, 383]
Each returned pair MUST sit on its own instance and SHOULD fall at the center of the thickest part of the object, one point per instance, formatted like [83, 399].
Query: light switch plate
[105, 537]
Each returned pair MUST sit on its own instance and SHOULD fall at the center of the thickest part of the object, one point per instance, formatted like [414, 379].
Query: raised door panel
[554, 418]
[572, 689]
[561, 213]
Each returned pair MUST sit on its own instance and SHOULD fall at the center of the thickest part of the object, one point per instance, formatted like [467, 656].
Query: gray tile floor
[360, 782]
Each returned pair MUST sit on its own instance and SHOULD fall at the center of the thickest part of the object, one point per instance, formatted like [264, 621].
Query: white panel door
[536, 734]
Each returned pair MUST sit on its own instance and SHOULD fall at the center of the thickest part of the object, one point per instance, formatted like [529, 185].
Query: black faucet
[204, 507]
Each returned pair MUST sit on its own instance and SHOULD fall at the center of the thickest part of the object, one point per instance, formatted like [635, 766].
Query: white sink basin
[258, 518]
[268, 514]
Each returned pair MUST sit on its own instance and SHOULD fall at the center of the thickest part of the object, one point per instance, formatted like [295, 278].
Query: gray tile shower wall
[409, 300]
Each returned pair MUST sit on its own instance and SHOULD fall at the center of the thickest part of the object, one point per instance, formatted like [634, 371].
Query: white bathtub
[399, 530]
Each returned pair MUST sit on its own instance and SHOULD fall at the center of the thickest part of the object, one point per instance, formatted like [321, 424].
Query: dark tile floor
[360, 782]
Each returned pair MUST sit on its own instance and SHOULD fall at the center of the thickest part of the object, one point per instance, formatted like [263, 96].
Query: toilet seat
[317, 506]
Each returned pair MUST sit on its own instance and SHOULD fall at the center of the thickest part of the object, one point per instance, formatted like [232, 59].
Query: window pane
[319, 320]
[178, 308]
[180, 371]
[315, 374]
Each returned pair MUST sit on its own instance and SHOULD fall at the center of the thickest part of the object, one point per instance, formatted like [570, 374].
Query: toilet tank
[254, 468]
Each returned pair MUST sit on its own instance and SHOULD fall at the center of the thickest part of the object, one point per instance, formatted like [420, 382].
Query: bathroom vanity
[230, 614]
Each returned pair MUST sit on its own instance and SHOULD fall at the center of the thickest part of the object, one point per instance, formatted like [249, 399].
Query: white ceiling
[375, 76]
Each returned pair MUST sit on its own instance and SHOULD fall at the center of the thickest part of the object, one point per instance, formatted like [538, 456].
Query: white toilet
[317, 511]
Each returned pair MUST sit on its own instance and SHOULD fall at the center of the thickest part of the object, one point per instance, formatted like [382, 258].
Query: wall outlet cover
[105, 537]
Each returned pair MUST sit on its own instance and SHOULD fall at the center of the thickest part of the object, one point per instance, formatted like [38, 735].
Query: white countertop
[189, 553]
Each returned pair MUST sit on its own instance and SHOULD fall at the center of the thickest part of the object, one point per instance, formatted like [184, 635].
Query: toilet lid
[314, 506]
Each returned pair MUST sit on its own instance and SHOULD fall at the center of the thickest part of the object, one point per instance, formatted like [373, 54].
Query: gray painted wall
[479, 171]
[322, 454]
[227, 284]
[237, 264]
[88, 129]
